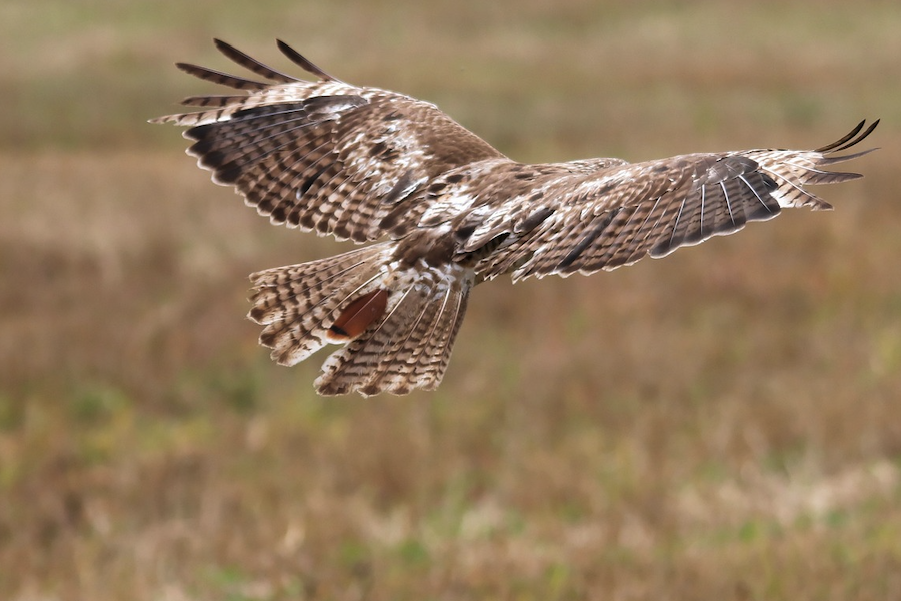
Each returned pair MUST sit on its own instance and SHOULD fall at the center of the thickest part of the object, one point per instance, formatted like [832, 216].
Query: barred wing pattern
[322, 156]
[616, 216]
[366, 164]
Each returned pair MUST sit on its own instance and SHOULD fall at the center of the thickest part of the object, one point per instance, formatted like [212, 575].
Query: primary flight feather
[451, 211]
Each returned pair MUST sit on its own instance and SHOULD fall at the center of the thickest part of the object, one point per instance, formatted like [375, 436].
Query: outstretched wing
[325, 155]
[615, 215]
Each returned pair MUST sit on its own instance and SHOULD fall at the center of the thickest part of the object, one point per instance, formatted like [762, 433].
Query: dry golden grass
[723, 424]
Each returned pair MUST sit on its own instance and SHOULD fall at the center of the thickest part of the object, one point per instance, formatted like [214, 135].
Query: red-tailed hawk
[365, 164]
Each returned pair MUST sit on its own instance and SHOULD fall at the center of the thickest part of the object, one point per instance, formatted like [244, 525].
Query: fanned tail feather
[410, 348]
[298, 304]
[397, 323]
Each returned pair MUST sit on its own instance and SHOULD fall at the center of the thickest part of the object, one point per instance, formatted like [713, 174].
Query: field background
[723, 424]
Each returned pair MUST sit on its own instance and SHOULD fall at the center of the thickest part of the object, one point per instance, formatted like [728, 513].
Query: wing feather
[220, 78]
[251, 64]
[301, 61]
[324, 155]
[656, 207]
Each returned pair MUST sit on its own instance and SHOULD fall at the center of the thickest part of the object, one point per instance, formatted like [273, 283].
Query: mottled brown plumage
[366, 164]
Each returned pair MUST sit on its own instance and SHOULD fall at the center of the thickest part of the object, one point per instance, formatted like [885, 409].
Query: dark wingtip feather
[251, 64]
[238, 83]
[216, 101]
[298, 59]
[851, 139]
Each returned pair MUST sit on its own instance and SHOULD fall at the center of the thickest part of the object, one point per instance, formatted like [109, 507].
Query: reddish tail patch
[358, 315]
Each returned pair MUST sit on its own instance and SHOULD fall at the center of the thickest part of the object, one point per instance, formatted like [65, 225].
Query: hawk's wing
[617, 214]
[324, 156]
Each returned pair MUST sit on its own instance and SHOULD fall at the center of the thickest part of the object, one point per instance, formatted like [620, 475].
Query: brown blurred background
[721, 424]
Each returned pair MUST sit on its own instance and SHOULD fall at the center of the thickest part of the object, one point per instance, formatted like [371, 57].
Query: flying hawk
[365, 164]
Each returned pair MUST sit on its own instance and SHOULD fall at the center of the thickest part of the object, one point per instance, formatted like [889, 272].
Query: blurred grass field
[723, 424]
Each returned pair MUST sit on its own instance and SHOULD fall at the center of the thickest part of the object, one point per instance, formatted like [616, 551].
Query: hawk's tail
[397, 322]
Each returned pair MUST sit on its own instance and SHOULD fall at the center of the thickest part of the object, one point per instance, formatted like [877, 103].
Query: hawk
[445, 211]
